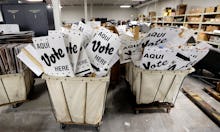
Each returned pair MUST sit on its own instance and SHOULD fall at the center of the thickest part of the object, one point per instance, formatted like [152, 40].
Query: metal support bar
[85, 11]
[57, 14]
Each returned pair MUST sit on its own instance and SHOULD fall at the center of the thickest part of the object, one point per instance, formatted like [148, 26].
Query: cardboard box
[212, 28]
[203, 37]
[209, 9]
[152, 14]
[218, 8]
[194, 19]
[196, 10]
[168, 19]
[181, 9]
[215, 39]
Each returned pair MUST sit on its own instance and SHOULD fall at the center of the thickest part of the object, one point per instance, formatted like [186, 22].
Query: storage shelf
[213, 43]
[211, 23]
[211, 33]
[179, 16]
[178, 22]
[199, 26]
[193, 22]
[213, 13]
[199, 14]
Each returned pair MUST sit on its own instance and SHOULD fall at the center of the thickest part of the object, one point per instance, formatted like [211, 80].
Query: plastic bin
[77, 100]
[155, 86]
[14, 88]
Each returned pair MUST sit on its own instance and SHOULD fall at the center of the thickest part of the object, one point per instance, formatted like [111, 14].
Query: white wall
[160, 6]
[75, 13]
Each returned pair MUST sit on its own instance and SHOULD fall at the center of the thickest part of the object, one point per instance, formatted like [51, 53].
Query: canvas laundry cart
[14, 88]
[78, 100]
[155, 88]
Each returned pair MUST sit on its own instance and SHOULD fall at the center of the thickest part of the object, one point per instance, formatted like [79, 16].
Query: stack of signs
[86, 30]
[9, 63]
[73, 40]
[165, 49]
[165, 37]
[155, 58]
[9, 28]
[83, 67]
[53, 54]
[128, 48]
[101, 50]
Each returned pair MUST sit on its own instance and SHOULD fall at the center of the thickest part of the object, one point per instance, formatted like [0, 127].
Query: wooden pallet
[203, 105]
[213, 93]
[152, 106]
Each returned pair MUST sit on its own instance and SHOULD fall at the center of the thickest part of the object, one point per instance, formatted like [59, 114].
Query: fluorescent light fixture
[125, 6]
[35, 0]
[49, 6]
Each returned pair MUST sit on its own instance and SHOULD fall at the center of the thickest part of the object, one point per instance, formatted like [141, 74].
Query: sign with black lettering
[128, 47]
[53, 54]
[86, 30]
[102, 48]
[160, 36]
[189, 56]
[83, 65]
[73, 41]
[157, 59]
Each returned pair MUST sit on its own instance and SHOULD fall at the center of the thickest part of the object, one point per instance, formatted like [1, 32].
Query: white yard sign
[157, 59]
[167, 37]
[83, 65]
[9, 28]
[73, 41]
[53, 54]
[102, 48]
[127, 49]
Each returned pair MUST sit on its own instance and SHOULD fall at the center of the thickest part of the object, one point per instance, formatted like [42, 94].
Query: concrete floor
[36, 115]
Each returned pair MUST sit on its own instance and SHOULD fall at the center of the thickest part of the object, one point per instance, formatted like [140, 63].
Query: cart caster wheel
[62, 126]
[168, 110]
[15, 105]
[137, 111]
[98, 128]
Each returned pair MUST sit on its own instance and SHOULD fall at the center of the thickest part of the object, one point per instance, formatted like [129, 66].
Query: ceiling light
[49, 6]
[60, 7]
[125, 6]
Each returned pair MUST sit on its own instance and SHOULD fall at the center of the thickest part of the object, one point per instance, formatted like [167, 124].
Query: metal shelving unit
[160, 21]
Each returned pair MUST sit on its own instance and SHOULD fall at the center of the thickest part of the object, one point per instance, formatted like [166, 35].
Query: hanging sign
[102, 48]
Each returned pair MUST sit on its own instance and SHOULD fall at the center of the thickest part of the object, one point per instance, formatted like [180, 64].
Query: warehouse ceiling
[100, 2]
[134, 3]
